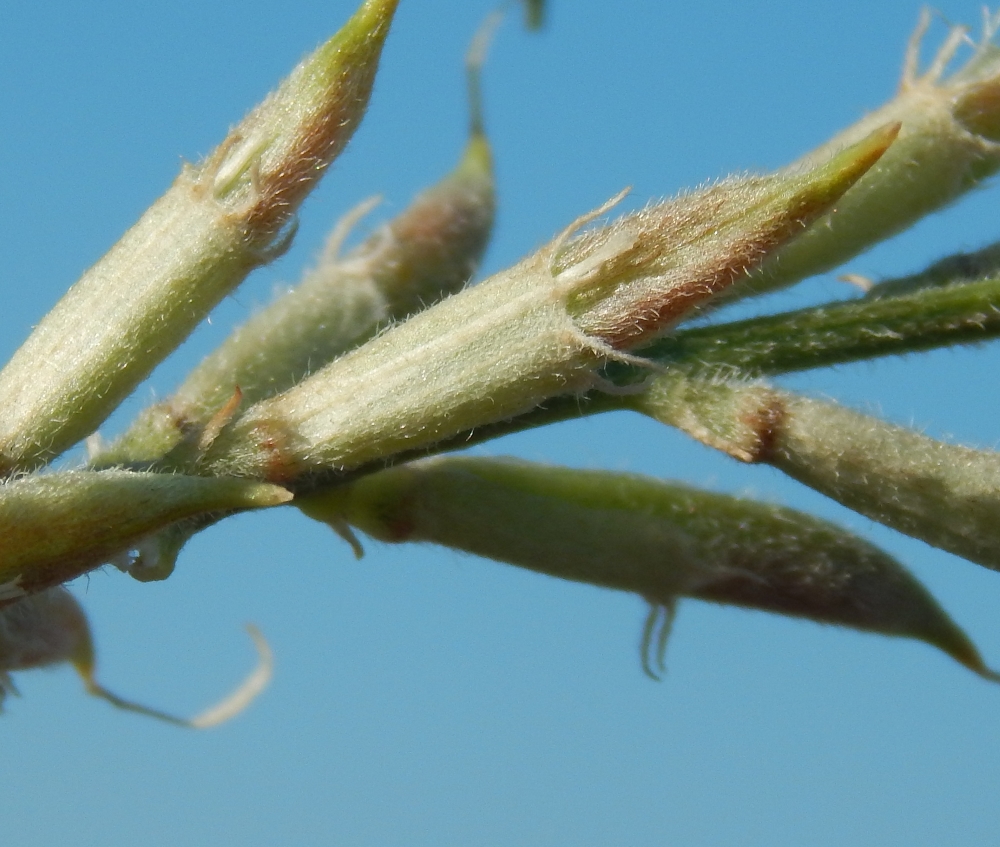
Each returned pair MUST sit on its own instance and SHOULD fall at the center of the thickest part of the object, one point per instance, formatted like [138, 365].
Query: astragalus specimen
[331, 399]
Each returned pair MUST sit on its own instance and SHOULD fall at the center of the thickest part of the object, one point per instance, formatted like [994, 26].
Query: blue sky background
[423, 697]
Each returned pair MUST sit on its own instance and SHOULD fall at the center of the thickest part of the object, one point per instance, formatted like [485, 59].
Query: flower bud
[50, 627]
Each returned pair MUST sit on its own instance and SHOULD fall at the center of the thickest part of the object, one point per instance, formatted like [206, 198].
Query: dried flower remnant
[949, 143]
[662, 541]
[51, 628]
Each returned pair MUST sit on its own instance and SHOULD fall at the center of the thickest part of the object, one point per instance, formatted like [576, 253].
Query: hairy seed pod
[659, 540]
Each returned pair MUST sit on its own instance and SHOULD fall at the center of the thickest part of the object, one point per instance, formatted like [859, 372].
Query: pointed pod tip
[953, 641]
[966, 654]
[354, 50]
[271, 160]
[477, 159]
[358, 41]
[372, 15]
[986, 673]
[264, 494]
[871, 148]
[831, 180]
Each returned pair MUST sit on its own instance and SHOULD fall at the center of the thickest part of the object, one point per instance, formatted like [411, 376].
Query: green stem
[844, 332]
[924, 318]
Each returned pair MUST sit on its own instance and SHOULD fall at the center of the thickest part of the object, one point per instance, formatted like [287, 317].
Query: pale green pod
[429, 251]
[659, 540]
[945, 494]
[218, 221]
[534, 331]
[949, 143]
[58, 526]
[50, 628]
